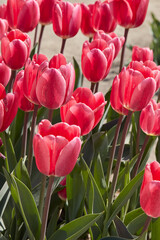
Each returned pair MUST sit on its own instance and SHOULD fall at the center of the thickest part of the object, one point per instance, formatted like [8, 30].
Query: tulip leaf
[88, 151]
[137, 223]
[73, 230]
[132, 215]
[155, 228]
[121, 229]
[78, 75]
[17, 126]
[114, 238]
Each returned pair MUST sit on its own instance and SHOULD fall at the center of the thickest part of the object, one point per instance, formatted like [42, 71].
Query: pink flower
[63, 193]
[142, 54]
[3, 27]
[5, 73]
[46, 11]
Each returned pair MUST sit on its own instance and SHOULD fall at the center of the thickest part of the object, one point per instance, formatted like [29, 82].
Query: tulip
[142, 54]
[150, 119]
[56, 148]
[24, 103]
[63, 193]
[57, 60]
[23, 15]
[150, 190]
[103, 18]
[111, 38]
[66, 19]
[97, 58]
[5, 73]
[15, 48]
[129, 14]
[86, 24]
[3, 11]
[3, 27]
[46, 11]
[85, 109]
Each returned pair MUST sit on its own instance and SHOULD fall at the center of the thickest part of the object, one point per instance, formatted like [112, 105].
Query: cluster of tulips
[32, 83]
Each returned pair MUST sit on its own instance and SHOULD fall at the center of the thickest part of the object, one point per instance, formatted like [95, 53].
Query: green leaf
[78, 77]
[121, 229]
[132, 215]
[137, 223]
[113, 238]
[155, 228]
[88, 151]
[73, 230]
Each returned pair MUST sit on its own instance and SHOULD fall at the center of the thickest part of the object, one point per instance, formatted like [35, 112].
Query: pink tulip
[150, 119]
[3, 27]
[97, 58]
[3, 11]
[150, 190]
[66, 18]
[5, 73]
[23, 14]
[142, 54]
[63, 193]
[56, 148]
[46, 11]
[57, 60]
[85, 109]
[128, 13]
[103, 18]
[15, 48]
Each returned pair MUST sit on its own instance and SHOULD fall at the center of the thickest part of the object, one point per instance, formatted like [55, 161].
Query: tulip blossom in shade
[132, 86]
[3, 11]
[97, 58]
[5, 72]
[15, 49]
[85, 109]
[86, 24]
[150, 190]
[24, 103]
[128, 13]
[55, 86]
[103, 18]
[3, 27]
[23, 15]
[111, 38]
[31, 73]
[150, 119]
[142, 54]
[66, 19]
[56, 148]
[63, 193]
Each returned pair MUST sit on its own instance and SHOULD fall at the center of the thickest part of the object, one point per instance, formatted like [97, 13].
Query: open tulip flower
[15, 48]
[97, 58]
[142, 54]
[150, 190]
[129, 14]
[56, 148]
[66, 19]
[85, 109]
[5, 73]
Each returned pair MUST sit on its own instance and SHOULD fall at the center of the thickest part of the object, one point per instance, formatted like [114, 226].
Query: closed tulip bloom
[150, 119]
[150, 190]
[132, 86]
[66, 19]
[142, 54]
[3, 11]
[85, 109]
[129, 14]
[5, 73]
[111, 38]
[23, 14]
[97, 58]
[15, 48]
[86, 24]
[56, 148]
[24, 103]
[46, 11]
[57, 60]
[3, 27]
[103, 18]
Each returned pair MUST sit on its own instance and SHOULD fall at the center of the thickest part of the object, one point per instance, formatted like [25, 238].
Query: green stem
[40, 38]
[5, 147]
[41, 196]
[46, 208]
[63, 45]
[24, 138]
[11, 81]
[138, 138]
[123, 49]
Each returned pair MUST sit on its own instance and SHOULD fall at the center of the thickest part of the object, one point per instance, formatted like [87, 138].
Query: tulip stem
[41, 196]
[40, 38]
[13, 75]
[96, 88]
[33, 125]
[146, 225]
[140, 156]
[90, 39]
[35, 35]
[92, 86]
[50, 115]
[63, 45]
[24, 138]
[46, 208]
[123, 49]
[137, 138]
[109, 169]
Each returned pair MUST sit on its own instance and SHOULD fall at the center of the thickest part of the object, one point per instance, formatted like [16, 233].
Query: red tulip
[46, 11]
[3, 11]
[142, 54]
[97, 58]
[111, 38]
[85, 109]
[150, 190]
[86, 24]
[66, 19]
[23, 14]
[3, 27]
[56, 148]
[57, 60]
[150, 119]
[55, 86]
[15, 48]
[129, 14]
[24, 103]
[103, 18]
[5, 72]
[30, 77]
[132, 86]
[63, 193]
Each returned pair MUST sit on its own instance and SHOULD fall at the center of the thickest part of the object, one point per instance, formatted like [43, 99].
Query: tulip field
[77, 163]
